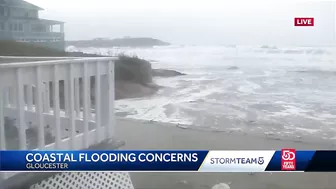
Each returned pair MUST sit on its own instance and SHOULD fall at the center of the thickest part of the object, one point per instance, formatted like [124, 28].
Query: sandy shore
[144, 135]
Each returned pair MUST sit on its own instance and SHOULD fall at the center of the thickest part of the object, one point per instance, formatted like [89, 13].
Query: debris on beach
[183, 184]
[221, 186]
[182, 126]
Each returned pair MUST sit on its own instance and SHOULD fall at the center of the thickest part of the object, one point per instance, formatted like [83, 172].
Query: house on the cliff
[19, 21]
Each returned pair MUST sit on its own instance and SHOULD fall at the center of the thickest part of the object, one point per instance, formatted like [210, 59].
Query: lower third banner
[172, 160]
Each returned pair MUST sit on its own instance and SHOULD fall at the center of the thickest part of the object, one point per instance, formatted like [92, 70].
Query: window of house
[38, 28]
[2, 11]
[2, 26]
[18, 27]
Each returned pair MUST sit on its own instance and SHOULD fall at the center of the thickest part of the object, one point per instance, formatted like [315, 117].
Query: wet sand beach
[146, 135]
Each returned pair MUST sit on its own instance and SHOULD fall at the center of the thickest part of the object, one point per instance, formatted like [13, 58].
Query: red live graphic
[288, 159]
[304, 21]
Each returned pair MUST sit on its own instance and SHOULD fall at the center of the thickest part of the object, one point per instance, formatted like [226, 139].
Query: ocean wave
[233, 68]
[292, 51]
[279, 90]
[317, 72]
[168, 47]
[249, 87]
[268, 47]
[71, 49]
[273, 51]
[231, 46]
[317, 51]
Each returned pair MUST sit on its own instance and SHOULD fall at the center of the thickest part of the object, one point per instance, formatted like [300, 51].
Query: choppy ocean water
[278, 91]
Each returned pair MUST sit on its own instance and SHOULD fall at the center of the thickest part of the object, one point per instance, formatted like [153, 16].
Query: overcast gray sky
[196, 21]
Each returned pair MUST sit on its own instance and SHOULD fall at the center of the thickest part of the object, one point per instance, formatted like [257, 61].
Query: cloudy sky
[196, 21]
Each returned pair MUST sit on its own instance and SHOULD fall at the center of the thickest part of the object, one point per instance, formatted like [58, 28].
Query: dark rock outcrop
[133, 79]
[127, 89]
[165, 73]
[133, 76]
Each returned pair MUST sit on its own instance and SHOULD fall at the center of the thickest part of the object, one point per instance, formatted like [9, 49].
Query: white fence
[63, 104]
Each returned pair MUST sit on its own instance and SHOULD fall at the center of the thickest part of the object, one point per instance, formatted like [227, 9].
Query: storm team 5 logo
[288, 159]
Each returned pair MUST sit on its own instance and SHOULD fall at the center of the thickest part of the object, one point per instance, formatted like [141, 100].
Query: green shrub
[134, 69]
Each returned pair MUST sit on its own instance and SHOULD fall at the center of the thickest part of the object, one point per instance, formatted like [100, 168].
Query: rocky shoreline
[133, 79]
[133, 76]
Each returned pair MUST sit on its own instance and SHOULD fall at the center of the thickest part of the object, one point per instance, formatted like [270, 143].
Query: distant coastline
[119, 42]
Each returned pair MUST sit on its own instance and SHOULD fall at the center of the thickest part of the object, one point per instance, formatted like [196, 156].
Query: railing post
[20, 110]
[77, 95]
[72, 112]
[99, 133]
[39, 108]
[111, 116]
[57, 108]
[2, 123]
[107, 97]
[105, 104]
[85, 104]
[47, 97]
[66, 95]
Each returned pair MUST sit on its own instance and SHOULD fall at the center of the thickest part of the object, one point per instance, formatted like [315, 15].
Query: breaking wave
[277, 91]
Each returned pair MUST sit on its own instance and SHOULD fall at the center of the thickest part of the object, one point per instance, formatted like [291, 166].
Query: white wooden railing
[25, 97]
[30, 103]
[35, 115]
[71, 99]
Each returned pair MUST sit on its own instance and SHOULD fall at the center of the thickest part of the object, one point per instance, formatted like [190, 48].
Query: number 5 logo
[288, 155]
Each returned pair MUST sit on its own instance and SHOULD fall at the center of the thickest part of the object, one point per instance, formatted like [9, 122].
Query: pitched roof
[19, 3]
[35, 21]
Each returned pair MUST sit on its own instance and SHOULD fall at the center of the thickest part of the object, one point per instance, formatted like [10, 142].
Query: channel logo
[288, 159]
[303, 21]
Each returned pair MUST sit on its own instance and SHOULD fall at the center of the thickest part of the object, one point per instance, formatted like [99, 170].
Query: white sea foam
[151, 109]
[282, 91]
[248, 87]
